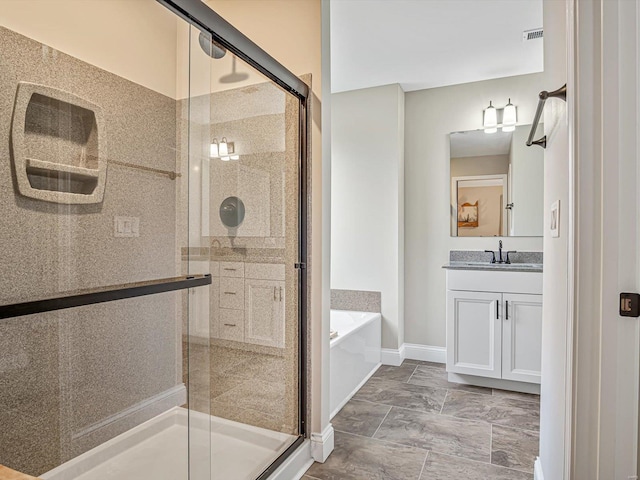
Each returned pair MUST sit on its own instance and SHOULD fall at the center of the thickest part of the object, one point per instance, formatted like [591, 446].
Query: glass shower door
[246, 210]
[104, 320]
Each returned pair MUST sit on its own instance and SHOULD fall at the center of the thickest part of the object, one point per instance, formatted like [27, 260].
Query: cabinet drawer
[232, 269]
[232, 293]
[496, 281]
[264, 271]
[231, 326]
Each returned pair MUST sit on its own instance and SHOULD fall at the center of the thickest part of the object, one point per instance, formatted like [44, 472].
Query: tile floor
[410, 423]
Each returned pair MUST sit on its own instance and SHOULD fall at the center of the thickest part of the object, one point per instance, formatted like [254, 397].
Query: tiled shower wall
[66, 377]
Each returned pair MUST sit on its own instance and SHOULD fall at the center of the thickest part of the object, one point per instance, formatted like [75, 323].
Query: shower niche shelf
[58, 142]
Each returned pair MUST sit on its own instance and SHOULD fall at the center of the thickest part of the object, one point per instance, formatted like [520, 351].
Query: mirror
[497, 184]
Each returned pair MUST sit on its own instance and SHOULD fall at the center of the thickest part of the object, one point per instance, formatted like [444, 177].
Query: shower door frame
[204, 18]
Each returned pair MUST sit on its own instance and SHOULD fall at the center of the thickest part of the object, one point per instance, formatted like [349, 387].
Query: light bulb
[490, 119]
[223, 148]
[509, 118]
[213, 149]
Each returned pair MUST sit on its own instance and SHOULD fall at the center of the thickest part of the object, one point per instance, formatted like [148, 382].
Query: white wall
[133, 39]
[553, 407]
[429, 118]
[367, 199]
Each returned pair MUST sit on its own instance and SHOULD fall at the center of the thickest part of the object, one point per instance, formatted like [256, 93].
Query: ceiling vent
[531, 34]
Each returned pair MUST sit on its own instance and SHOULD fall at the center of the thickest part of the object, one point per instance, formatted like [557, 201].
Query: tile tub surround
[356, 300]
[456, 436]
[62, 374]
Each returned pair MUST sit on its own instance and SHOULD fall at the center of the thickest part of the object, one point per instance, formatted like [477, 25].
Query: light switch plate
[126, 226]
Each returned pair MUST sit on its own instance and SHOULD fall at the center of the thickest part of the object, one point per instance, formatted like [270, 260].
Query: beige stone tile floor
[410, 423]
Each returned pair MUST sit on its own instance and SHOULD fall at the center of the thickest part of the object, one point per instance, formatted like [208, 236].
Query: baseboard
[425, 353]
[498, 383]
[296, 465]
[322, 444]
[393, 357]
[537, 471]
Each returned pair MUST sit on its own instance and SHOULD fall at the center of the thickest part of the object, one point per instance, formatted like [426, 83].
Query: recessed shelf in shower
[58, 142]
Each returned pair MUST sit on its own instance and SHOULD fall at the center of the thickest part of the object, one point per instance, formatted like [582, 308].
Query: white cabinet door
[474, 333]
[264, 312]
[522, 337]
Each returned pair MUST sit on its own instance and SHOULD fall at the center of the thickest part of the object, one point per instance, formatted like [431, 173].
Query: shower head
[234, 76]
[210, 47]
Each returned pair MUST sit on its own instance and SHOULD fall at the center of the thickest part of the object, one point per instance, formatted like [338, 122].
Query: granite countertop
[512, 267]
[247, 255]
[479, 260]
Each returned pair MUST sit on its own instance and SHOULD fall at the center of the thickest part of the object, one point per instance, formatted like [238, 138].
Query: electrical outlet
[126, 226]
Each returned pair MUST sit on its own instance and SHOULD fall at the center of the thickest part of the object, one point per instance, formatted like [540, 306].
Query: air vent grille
[532, 34]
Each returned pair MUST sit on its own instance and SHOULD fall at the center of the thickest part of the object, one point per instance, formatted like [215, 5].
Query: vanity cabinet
[494, 324]
[264, 312]
[249, 303]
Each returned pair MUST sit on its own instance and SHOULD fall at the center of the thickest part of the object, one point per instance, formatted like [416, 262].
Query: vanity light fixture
[509, 117]
[490, 119]
[214, 149]
[223, 150]
[504, 118]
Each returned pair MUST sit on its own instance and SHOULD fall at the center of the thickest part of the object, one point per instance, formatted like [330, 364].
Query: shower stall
[153, 224]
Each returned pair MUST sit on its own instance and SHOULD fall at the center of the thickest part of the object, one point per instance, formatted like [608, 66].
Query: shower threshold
[179, 445]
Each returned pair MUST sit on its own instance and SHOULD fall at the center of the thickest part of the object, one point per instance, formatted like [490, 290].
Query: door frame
[603, 356]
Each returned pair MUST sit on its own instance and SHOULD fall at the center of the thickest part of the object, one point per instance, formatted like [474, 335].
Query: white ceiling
[431, 43]
[476, 143]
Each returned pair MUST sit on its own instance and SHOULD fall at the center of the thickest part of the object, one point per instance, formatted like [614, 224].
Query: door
[522, 337]
[264, 312]
[474, 333]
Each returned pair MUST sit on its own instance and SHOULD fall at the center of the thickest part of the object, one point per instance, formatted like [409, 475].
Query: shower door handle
[110, 293]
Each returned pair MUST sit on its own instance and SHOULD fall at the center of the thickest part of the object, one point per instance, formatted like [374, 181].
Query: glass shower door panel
[249, 221]
[194, 124]
[94, 193]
